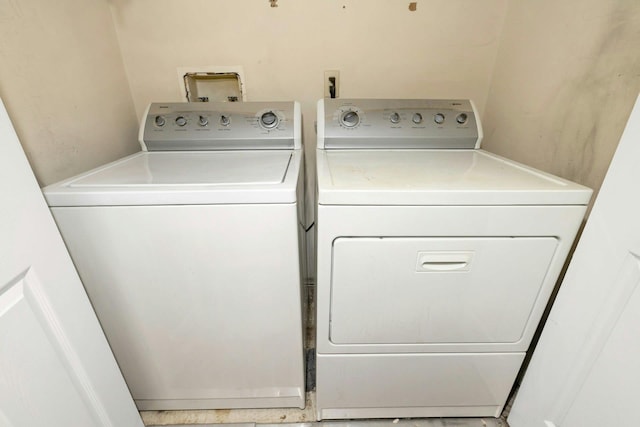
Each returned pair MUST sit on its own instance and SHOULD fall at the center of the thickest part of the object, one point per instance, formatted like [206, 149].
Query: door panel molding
[37, 300]
[27, 288]
[623, 288]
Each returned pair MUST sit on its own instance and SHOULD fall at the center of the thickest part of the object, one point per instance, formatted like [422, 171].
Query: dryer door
[392, 290]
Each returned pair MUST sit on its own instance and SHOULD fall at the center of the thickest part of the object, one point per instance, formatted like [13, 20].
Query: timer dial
[269, 120]
[350, 119]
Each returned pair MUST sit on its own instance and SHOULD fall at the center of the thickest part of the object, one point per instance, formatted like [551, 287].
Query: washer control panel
[186, 126]
[408, 123]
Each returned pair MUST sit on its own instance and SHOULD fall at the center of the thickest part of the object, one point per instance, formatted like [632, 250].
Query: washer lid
[150, 178]
[437, 177]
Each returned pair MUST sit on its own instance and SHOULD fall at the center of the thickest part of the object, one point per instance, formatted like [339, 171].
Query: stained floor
[417, 422]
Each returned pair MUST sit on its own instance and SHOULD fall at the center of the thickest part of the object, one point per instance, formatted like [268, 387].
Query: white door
[56, 368]
[585, 370]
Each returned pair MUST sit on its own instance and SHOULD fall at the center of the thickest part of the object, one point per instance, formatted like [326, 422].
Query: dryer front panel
[402, 290]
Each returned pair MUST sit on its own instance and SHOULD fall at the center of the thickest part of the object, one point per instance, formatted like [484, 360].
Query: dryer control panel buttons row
[351, 118]
[204, 126]
[413, 123]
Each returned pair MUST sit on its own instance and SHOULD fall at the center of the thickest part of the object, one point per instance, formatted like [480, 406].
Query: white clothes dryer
[190, 254]
[435, 260]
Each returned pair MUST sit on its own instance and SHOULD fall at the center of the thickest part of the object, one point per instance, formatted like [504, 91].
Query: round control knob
[203, 121]
[160, 121]
[224, 120]
[181, 121]
[438, 118]
[395, 117]
[350, 119]
[269, 120]
[417, 118]
[462, 118]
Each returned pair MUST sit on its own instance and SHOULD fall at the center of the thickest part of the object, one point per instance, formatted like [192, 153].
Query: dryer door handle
[444, 261]
[444, 265]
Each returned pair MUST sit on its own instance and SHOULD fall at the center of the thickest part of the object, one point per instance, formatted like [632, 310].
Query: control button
[181, 121]
[350, 119]
[224, 120]
[417, 118]
[462, 118]
[160, 121]
[395, 117]
[203, 121]
[269, 120]
[438, 118]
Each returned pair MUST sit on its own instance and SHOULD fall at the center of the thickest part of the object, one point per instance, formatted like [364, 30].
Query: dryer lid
[437, 177]
[149, 178]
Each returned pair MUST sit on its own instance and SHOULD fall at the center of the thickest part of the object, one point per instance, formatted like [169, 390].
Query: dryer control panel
[191, 126]
[399, 123]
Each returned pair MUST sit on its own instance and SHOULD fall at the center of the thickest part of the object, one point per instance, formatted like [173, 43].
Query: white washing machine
[190, 252]
[435, 260]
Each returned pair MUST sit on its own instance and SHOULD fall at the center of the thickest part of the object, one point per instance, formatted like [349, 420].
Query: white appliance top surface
[189, 168]
[437, 177]
[147, 178]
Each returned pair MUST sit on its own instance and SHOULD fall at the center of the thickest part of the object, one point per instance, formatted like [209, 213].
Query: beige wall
[564, 83]
[381, 48]
[63, 83]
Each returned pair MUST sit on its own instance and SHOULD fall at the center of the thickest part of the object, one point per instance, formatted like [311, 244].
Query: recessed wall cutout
[273, 3]
[212, 84]
[413, 6]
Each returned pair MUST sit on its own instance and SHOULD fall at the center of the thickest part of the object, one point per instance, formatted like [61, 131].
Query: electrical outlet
[332, 84]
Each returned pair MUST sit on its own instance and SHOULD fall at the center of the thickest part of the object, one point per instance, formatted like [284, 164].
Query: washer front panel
[183, 292]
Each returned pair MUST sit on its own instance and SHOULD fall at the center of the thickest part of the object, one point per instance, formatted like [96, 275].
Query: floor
[295, 417]
[414, 422]
[233, 416]
[442, 422]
